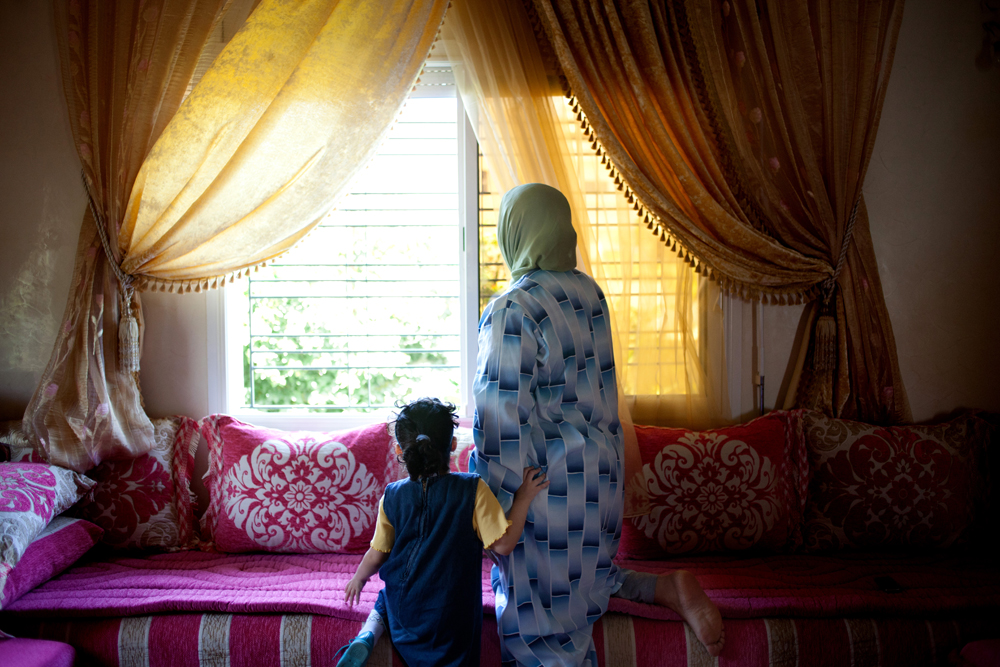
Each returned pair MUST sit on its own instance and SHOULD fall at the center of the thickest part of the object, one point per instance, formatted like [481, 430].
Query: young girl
[428, 546]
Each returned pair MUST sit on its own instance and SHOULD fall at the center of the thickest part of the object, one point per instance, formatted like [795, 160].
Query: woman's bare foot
[680, 591]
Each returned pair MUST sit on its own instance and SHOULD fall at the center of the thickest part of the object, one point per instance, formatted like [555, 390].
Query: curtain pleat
[509, 79]
[125, 69]
[744, 130]
[191, 193]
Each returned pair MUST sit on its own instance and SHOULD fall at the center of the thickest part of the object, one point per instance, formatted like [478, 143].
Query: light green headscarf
[535, 230]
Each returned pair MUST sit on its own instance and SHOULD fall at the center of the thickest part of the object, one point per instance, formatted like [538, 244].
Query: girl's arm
[370, 564]
[533, 482]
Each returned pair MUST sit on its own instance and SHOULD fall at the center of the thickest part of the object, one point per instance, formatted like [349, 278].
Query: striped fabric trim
[241, 640]
[296, 640]
[782, 642]
[382, 655]
[697, 654]
[213, 640]
[133, 641]
[619, 640]
[863, 637]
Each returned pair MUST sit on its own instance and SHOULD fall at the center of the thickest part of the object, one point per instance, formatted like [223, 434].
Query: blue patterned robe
[546, 395]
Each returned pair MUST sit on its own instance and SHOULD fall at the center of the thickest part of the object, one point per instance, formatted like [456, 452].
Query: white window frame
[224, 367]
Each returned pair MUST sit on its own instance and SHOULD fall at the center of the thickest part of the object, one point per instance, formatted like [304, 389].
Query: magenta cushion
[726, 489]
[57, 547]
[893, 486]
[983, 653]
[145, 502]
[293, 491]
[30, 495]
[15, 652]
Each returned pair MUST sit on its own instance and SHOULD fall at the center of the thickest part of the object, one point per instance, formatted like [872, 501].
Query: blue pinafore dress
[432, 601]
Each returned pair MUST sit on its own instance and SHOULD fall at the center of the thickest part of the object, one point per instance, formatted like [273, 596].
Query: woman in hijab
[546, 396]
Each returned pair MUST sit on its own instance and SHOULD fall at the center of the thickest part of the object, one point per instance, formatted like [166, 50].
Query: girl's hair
[423, 430]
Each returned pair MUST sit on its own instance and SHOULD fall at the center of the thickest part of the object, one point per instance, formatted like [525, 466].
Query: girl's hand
[352, 593]
[532, 483]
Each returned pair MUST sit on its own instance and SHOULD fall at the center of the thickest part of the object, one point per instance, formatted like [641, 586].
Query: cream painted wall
[41, 204]
[933, 197]
[41, 200]
[933, 194]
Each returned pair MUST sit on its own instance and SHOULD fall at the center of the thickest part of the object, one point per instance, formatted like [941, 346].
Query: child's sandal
[356, 653]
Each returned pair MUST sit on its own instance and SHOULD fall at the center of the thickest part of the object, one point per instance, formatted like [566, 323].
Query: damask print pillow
[896, 486]
[146, 502]
[727, 489]
[57, 547]
[293, 491]
[31, 494]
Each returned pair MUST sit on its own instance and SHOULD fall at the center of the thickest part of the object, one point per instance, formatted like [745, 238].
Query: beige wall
[933, 194]
[41, 199]
[933, 197]
[41, 204]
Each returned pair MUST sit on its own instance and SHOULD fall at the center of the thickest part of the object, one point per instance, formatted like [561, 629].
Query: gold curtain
[743, 131]
[125, 69]
[257, 153]
[291, 109]
[528, 133]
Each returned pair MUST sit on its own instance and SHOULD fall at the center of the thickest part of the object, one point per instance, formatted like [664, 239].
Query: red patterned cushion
[145, 502]
[294, 492]
[899, 486]
[727, 489]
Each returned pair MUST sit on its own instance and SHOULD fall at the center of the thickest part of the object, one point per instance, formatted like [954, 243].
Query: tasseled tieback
[825, 341]
[128, 326]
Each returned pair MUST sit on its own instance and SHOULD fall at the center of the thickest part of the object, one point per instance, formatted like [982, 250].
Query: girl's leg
[356, 653]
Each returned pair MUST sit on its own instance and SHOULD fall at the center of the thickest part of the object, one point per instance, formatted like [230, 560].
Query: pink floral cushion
[30, 495]
[293, 492]
[146, 502]
[898, 486]
[57, 547]
[463, 451]
[727, 489]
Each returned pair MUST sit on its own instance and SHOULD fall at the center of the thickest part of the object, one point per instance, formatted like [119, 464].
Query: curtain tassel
[128, 335]
[825, 351]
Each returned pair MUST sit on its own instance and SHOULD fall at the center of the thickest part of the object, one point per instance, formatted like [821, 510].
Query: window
[381, 302]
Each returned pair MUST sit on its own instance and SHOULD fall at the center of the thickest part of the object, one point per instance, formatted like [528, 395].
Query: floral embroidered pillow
[728, 489]
[896, 486]
[31, 494]
[293, 491]
[145, 502]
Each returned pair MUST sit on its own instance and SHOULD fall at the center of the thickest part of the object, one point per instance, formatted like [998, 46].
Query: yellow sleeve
[488, 519]
[385, 534]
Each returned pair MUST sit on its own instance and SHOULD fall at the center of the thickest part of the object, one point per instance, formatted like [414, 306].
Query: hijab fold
[535, 230]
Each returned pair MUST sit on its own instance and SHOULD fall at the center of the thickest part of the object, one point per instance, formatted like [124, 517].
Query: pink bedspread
[788, 586]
